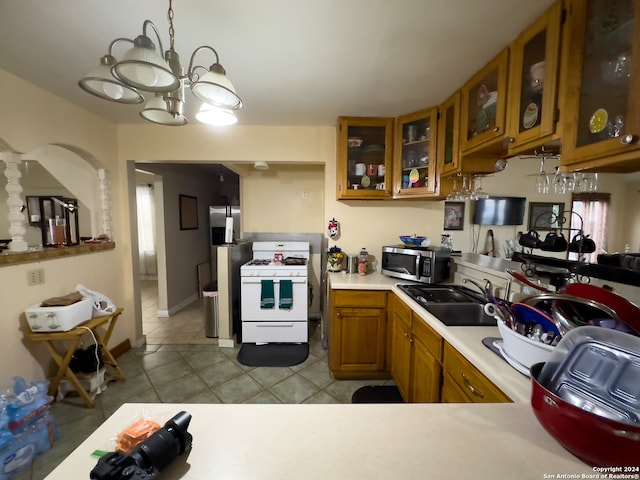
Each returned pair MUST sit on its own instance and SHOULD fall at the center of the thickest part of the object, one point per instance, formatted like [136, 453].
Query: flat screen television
[499, 211]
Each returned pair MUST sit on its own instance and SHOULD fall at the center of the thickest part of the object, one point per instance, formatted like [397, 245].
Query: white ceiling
[293, 62]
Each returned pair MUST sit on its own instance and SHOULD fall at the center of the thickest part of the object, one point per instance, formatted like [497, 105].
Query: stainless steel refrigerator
[217, 221]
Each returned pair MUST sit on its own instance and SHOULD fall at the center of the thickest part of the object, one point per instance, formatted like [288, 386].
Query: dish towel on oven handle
[286, 295]
[266, 294]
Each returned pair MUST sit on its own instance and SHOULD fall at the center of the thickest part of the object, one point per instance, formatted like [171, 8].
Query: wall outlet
[35, 276]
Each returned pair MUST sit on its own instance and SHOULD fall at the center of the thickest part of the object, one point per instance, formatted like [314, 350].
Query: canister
[352, 264]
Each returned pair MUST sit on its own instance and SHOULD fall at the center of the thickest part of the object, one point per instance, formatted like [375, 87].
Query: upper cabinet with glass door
[449, 136]
[364, 158]
[601, 109]
[484, 101]
[533, 81]
[415, 163]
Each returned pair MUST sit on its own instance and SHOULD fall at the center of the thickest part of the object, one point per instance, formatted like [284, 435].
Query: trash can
[211, 316]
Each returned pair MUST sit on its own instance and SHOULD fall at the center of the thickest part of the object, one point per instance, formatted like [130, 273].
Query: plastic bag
[102, 305]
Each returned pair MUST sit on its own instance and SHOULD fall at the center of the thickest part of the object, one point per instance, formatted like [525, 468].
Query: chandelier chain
[171, 29]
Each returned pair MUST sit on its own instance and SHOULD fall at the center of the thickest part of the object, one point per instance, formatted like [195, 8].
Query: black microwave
[418, 264]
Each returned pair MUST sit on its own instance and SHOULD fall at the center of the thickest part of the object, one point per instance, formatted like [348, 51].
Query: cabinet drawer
[428, 337]
[360, 298]
[473, 383]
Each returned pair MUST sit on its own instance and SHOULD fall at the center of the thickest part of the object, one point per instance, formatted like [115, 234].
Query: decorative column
[105, 202]
[15, 202]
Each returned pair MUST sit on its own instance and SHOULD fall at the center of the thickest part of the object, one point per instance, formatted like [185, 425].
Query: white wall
[32, 118]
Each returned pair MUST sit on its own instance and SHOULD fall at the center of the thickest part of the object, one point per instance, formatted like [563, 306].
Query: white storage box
[58, 319]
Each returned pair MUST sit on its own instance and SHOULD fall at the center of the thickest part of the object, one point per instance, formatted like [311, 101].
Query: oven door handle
[273, 324]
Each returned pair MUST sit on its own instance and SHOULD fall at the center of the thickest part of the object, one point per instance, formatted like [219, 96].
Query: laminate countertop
[370, 442]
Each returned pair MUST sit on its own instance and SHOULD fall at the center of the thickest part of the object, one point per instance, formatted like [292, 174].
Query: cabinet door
[449, 136]
[361, 334]
[365, 150]
[426, 373]
[533, 78]
[451, 392]
[477, 387]
[415, 162]
[600, 113]
[401, 355]
[484, 99]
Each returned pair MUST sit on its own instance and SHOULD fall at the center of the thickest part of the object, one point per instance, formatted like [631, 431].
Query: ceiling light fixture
[144, 68]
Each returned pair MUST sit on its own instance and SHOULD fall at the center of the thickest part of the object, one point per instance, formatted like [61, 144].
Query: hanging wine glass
[479, 191]
[465, 192]
[542, 180]
[559, 183]
[454, 193]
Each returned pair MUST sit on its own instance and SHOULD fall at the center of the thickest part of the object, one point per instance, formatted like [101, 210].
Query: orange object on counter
[135, 433]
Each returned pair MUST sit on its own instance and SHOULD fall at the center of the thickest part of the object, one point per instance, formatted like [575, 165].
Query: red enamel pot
[627, 312]
[594, 439]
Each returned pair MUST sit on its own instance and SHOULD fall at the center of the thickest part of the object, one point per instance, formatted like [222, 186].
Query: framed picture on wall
[545, 216]
[188, 212]
[454, 215]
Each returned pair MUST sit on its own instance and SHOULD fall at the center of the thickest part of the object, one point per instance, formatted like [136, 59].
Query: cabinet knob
[496, 129]
[627, 139]
[509, 139]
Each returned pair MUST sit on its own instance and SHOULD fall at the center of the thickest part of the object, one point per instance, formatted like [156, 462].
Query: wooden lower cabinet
[416, 353]
[464, 383]
[358, 338]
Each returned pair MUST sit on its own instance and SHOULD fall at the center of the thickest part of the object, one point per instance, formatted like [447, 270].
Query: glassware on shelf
[542, 180]
[479, 192]
[455, 193]
[559, 183]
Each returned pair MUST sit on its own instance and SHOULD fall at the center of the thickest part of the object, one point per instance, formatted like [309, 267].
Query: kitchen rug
[273, 354]
[377, 394]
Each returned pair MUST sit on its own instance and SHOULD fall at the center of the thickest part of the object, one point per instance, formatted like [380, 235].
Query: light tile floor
[180, 364]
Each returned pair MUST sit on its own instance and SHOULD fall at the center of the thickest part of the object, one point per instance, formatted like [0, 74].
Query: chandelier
[142, 68]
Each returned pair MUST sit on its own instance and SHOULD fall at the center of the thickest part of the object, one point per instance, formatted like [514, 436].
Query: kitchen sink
[461, 314]
[453, 305]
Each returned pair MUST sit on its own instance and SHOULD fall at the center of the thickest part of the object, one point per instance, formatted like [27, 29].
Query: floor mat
[377, 394]
[273, 354]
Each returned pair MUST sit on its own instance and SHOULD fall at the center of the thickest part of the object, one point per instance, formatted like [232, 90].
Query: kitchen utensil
[626, 312]
[523, 349]
[554, 242]
[586, 395]
[412, 240]
[582, 243]
[570, 311]
[530, 239]
[522, 279]
[527, 314]
[595, 440]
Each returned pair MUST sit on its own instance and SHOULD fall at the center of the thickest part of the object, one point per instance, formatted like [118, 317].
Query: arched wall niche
[76, 169]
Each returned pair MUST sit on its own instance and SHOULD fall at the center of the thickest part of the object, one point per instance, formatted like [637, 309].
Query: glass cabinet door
[415, 154]
[449, 136]
[364, 157]
[484, 106]
[601, 113]
[533, 82]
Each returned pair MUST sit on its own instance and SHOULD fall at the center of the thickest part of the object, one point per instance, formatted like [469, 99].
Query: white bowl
[522, 349]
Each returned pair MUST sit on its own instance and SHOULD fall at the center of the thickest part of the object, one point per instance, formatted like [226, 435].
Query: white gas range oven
[274, 293]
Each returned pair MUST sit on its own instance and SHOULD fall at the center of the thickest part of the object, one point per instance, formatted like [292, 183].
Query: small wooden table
[73, 336]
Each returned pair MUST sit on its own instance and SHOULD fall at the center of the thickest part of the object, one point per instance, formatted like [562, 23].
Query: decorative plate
[598, 120]
[414, 175]
[366, 181]
[530, 116]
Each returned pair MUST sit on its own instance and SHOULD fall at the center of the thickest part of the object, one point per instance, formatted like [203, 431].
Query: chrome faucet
[487, 290]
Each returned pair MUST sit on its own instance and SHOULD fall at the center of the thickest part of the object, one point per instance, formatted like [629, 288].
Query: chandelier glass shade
[143, 68]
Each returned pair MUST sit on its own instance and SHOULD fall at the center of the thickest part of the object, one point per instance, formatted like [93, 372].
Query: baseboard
[121, 348]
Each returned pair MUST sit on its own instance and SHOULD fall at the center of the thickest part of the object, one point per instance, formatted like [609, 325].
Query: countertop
[374, 441]
[466, 340]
